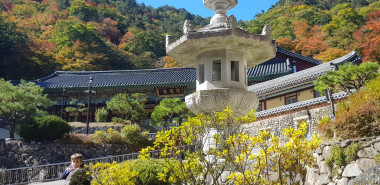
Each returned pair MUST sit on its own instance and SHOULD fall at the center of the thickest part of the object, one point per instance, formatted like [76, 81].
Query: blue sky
[245, 10]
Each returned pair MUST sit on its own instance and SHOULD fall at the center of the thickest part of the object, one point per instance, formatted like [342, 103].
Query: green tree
[21, 102]
[168, 109]
[77, 108]
[232, 152]
[349, 76]
[130, 107]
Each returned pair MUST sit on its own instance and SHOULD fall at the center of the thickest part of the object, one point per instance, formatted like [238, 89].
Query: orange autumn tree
[310, 40]
[368, 37]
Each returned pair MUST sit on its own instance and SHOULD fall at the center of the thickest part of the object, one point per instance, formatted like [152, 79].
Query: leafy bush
[99, 136]
[336, 157]
[74, 138]
[112, 136]
[325, 127]
[359, 114]
[148, 172]
[45, 128]
[101, 115]
[340, 157]
[80, 177]
[377, 158]
[106, 173]
[351, 151]
[136, 172]
[133, 135]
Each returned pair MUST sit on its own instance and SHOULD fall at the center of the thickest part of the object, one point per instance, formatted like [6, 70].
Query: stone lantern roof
[256, 48]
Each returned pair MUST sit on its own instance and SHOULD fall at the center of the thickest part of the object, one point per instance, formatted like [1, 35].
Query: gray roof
[149, 77]
[120, 78]
[302, 77]
[299, 56]
[299, 104]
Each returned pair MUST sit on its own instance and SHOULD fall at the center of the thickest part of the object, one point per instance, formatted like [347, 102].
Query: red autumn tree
[368, 37]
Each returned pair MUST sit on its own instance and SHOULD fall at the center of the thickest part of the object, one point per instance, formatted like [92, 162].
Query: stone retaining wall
[16, 153]
[277, 124]
[320, 173]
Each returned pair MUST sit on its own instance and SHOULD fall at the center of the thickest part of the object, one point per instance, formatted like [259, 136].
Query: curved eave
[116, 86]
[298, 105]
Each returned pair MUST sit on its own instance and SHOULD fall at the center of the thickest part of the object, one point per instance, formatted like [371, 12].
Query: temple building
[282, 81]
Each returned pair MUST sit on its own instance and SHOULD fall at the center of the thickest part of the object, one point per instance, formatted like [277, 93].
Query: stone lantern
[221, 52]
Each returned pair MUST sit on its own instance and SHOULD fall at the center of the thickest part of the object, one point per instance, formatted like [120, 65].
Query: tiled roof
[299, 56]
[122, 78]
[301, 77]
[272, 68]
[148, 77]
[299, 105]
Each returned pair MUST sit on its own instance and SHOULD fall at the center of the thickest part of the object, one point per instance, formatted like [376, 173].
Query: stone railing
[52, 172]
[320, 173]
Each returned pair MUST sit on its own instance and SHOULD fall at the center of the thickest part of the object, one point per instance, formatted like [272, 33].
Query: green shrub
[351, 151]
[99, 136]
[101, 115]
[133, 135]
[45, 128]
[114, 137]
[80, 177]
[137, 172]
[337, 157]
[148, 171]
[377, 158]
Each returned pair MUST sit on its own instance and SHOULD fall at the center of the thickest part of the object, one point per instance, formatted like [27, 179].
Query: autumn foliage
[358, 115]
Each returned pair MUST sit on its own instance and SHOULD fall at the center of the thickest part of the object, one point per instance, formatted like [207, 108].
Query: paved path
[60, 182]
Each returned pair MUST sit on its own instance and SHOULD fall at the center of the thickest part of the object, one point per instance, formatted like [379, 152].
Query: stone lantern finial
[220, 8]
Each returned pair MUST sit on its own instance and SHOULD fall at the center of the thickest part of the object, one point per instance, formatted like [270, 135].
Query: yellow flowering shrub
[246, 159]
[113, 174]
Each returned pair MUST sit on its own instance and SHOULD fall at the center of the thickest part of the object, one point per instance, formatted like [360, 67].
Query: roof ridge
[301, 104]
[303, 75]
[297, 55]
[128, 70]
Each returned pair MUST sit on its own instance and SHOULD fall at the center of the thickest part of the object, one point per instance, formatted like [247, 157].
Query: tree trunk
[12, 131]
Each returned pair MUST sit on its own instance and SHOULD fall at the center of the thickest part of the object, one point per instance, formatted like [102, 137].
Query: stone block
[377, 146]
[367, 153]
[342, 181]
[345, 143]
[326, 152]
[323, 168]
[366, 164]
[323, 180]
[352, 170]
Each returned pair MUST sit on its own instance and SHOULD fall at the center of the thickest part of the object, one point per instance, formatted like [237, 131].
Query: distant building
[283, 80]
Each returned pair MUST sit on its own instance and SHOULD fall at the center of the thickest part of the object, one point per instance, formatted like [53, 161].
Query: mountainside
[40, 37]
[323, 29]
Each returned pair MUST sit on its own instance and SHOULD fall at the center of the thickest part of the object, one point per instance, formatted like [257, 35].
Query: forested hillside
[324, 29]
[40, 37]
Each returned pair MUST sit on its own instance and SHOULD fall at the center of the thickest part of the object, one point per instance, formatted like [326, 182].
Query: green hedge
[45, 128]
